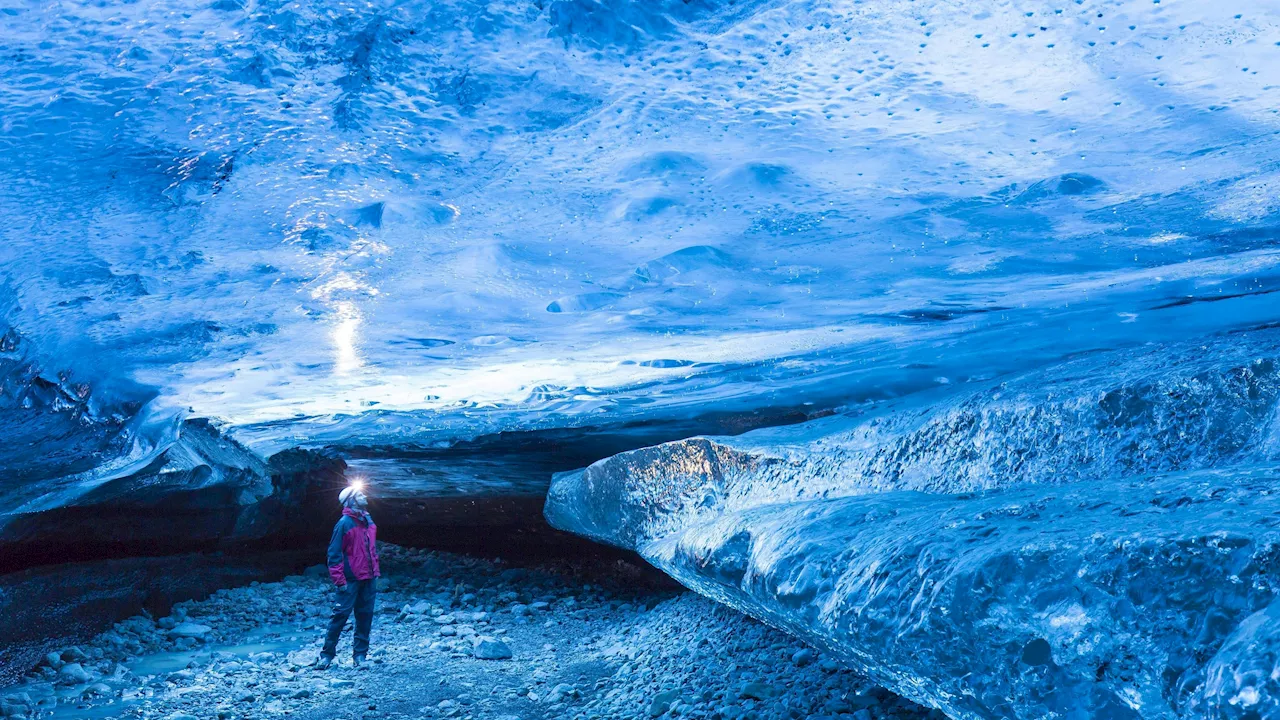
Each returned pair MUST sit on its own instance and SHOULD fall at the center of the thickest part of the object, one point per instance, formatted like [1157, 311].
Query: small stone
[74, 674]
[757, 691]
[53, 660]
[662, 702]
[195, 631]
[862, 701]
[98, 688]
[341, 684]
[182, 716]
[803, 657]
[300, 694]
[489, 648]
[303, 658]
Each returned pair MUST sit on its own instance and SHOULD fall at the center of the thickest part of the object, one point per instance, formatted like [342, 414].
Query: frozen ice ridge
[1094, 540]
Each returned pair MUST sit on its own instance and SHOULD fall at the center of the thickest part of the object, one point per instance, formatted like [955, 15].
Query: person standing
[353, 565]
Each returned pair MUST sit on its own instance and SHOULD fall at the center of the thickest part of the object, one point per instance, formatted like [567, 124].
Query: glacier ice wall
[1120, 599]
[274, 211]
[1167, 408]
[1093, 539]
[394, 227]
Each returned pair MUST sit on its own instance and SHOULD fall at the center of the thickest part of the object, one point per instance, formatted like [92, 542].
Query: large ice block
[1149, 598]
[1097, 540]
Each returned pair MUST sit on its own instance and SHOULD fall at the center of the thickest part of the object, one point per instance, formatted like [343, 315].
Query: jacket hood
[361, 516]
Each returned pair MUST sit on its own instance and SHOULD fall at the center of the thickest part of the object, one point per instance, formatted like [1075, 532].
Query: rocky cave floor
[604, 644]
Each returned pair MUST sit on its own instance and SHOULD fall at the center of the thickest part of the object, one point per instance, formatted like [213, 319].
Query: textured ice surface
[1167, 408]
[1147, 598]
[418, 221]
[395, 228]
[1095, 539]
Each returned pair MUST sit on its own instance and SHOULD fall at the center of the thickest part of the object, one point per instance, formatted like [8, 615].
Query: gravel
[455, 637]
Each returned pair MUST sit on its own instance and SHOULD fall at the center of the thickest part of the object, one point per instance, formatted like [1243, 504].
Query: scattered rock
[662, 702]
[700, 660]
[757, 691]
[195, 631]
[863, 701]
[99, 689]
[490, 648]
[74, 674]
[304, 658]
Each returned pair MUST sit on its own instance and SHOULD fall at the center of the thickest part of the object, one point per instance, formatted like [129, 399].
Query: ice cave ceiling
[409, 223]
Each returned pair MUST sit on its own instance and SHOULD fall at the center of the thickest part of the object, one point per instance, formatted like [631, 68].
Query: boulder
[195, 631]
[74, 674]
[662, 702]
[490, 648]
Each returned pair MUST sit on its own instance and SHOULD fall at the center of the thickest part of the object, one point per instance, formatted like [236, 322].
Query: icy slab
[1168, 408]
[1142, 599]
[1090, 540]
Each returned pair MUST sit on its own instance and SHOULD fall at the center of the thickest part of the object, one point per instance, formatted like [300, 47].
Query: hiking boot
[358, 661]
[324, 662]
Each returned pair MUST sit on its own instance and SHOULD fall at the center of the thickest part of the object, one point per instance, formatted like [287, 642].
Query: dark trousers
[360, 596]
